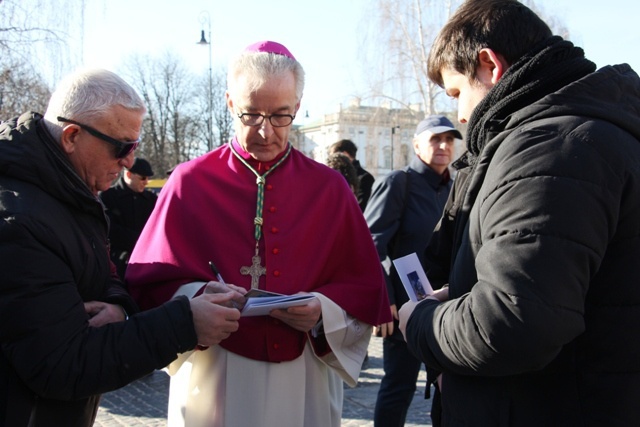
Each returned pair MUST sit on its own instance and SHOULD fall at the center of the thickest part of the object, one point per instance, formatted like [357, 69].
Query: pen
[221, 280]
[216, 273]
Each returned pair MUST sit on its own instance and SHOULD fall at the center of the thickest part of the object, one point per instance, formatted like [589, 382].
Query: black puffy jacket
[53, 258]
[543, 320]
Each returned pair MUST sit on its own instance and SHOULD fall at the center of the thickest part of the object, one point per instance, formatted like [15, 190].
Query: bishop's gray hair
[258, 66]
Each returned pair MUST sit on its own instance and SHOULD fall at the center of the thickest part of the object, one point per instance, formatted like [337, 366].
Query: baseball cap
[437, 124]
[141, 167]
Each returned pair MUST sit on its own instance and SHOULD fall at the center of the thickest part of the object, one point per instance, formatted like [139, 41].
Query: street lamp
[205, 18]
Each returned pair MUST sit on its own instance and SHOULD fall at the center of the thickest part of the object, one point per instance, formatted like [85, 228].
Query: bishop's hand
[301, 317]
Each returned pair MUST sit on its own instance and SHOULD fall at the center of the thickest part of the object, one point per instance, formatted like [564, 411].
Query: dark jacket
[365, 183]
[544, 280]
[128, 212]
[402, 212]
[53, 258]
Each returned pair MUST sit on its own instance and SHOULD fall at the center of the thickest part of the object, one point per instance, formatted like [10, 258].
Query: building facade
[382, 134]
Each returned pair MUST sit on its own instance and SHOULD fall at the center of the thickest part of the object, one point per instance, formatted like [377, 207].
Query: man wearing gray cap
[128, 206]
[402, 212]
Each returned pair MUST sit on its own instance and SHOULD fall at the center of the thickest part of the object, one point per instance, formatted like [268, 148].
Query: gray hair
[90, 93]
[258, 66]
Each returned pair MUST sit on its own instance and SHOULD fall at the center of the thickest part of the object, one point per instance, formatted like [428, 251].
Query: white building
[382, 134]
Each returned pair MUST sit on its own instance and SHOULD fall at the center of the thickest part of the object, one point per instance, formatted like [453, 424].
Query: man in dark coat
[64, 338]
[128, 206]
[539, 323]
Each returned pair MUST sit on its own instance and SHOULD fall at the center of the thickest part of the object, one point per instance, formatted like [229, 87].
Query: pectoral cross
[255, 271]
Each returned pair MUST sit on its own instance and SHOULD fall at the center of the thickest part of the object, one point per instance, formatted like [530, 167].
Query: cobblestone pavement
[144, 402]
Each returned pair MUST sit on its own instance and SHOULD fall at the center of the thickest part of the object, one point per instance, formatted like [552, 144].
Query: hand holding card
[413, 277]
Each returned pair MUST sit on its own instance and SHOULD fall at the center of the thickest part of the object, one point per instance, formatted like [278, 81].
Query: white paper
[413, 277]
[262, 305]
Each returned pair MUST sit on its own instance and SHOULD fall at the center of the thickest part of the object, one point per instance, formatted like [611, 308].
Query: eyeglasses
[123, 149]
[276, 120]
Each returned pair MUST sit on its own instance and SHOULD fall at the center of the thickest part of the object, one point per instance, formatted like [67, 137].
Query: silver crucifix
[255, 271]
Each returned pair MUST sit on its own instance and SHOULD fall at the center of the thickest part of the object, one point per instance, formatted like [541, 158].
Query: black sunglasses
[123, 149]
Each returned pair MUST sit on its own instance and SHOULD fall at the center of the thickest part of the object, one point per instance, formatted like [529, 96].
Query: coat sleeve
[384, 215]
[117, 294]
[438, 254]
[45, 334]
[364, 190]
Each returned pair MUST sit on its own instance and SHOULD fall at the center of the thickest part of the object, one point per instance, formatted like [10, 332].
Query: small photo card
[413, 277]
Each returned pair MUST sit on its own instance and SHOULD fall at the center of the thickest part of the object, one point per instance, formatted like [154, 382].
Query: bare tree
[34, 53]
[221, 120]
[37, 31]
[176, 127]
[399, 39]
[405, 30]
[221, 117]
[170, 134]
[21, 90]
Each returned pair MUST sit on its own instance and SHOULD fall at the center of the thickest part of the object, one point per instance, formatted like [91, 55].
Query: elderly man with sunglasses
[64, 338]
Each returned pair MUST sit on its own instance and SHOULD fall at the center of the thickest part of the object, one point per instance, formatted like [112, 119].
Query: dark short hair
[342, 164]
[344, 146]
[507, 27]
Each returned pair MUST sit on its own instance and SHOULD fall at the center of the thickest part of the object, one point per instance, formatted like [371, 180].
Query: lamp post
[205, 18]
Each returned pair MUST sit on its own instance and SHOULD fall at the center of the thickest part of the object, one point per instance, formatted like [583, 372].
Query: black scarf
[545, 69]
[548, 67]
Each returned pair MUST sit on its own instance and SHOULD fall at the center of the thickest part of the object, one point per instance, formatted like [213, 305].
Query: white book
[260, 303]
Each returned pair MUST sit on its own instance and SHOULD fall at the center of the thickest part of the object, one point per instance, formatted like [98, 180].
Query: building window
[404, 149]
[386, 159]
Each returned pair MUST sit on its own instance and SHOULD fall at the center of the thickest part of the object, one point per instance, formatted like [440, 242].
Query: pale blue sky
[323, 35]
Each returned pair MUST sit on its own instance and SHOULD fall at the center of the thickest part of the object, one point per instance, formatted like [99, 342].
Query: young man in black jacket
[538, 322]
[64, 338]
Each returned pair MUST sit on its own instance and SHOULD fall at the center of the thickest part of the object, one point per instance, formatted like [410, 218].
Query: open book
[260, 303]
[413, 277]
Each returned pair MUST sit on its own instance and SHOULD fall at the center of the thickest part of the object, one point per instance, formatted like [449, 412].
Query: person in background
[62, 306]
[538, 323]
[128, 206]
[365, 179]
[342, 163]
[403, 210]
[265, 215]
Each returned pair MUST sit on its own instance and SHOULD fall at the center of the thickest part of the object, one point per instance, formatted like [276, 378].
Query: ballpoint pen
[216, 273]
[221, 280]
